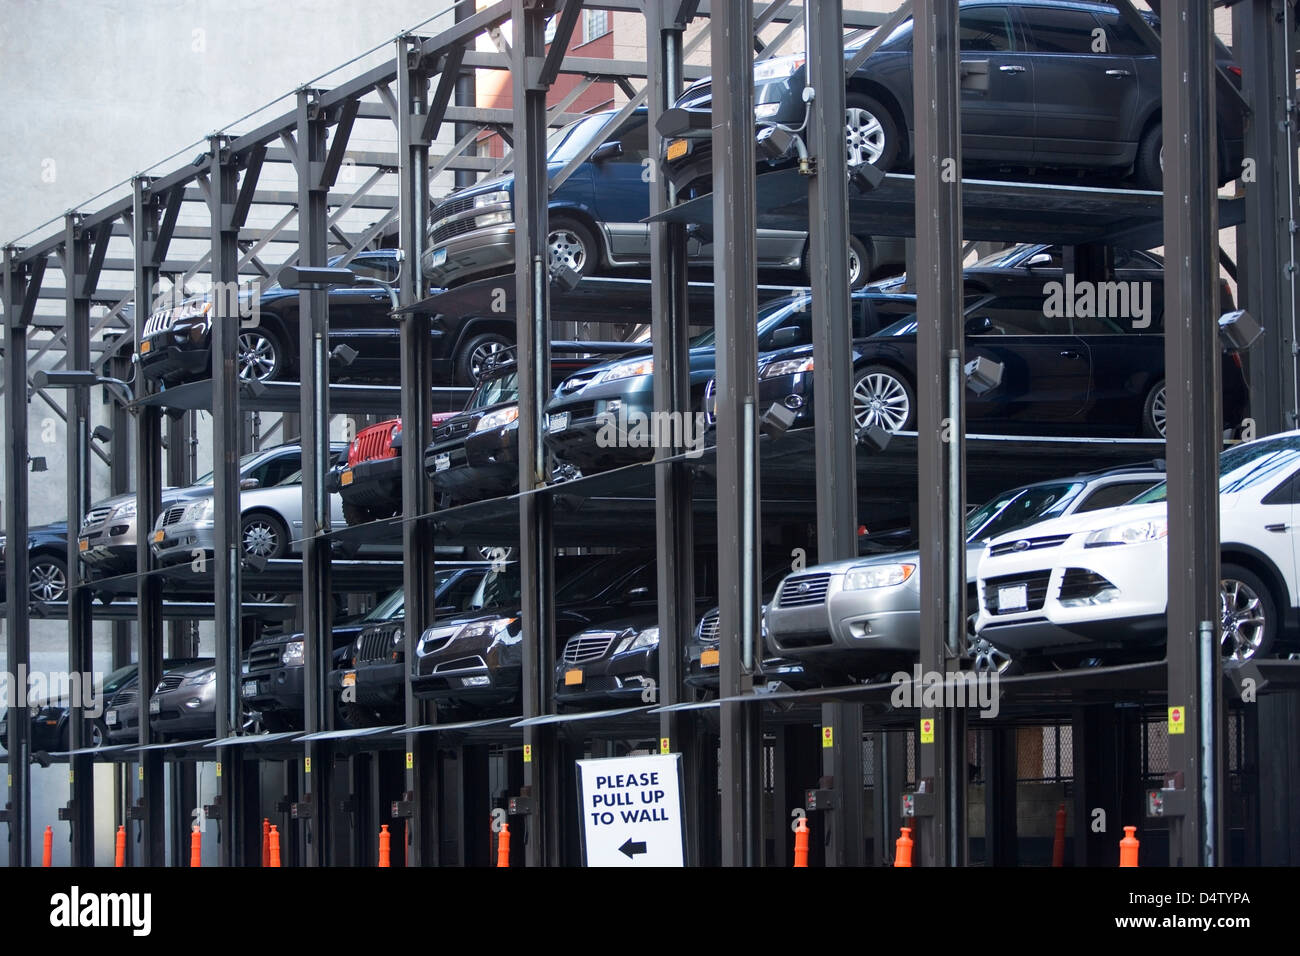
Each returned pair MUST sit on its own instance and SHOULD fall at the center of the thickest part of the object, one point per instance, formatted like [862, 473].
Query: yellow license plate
[145, 347]
[709, 658]
[573, 677]
[83, 544]
[350, 679]
[678, 148]
[346, 477]
[157, 537]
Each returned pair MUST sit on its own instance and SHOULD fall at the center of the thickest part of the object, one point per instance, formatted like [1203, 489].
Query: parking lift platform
[287, 397]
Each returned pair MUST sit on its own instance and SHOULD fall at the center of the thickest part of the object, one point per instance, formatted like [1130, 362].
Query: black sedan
[47, 562]
[1064, 85]
[51, 731]
[1061, 375]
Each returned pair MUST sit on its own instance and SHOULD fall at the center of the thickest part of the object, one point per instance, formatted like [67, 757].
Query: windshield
[504, 388]
[566, 142]
[769, 317]
[244, 463]
[389, 607]
[114, 681]
[1019, 509]
[594, 578]
[1242, 467]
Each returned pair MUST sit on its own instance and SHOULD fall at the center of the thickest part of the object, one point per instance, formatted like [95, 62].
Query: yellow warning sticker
[828, 736]
[410, 760]
[528, 753]
[927, 730]
[218, 769]
[1178, 720]
[71, 778]
[140, 773]
[306, 765]
[665, 746]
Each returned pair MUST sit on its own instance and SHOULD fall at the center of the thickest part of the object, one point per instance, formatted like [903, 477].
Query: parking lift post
[735, 306]
[941, 425]
[1193, 436]
[151, 234]
[836, 458]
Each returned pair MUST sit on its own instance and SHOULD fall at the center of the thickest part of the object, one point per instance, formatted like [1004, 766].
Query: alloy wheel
[49, 582]
[864, 136]
[261, 538]
[565, 247]
[258, 360]
[482, 355]
[880, 399]
[1243, 626]
[1159, 411]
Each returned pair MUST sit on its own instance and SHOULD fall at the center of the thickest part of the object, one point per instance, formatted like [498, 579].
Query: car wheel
[570, 243]
[264, 536]
[882, 397]
[1154, 411]
[356, 716]
[475, 355]
[870, 134]
[1149, 167]
[355, 514]
[860, 263]
[261, 356]
[48, 578]
[1247, 614]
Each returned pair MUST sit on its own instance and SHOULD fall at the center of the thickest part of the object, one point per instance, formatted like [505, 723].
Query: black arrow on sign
[630, 849]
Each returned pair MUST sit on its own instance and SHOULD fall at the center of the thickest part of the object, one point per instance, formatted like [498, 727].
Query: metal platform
[286, 397]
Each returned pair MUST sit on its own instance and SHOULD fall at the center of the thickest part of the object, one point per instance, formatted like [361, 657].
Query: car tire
[356, 716]
[861, 263]
[1148, 167]
[571, 243]
[884, 397]
[1248, 614]
[870, 133]
[1154, 411]
[263, 535]
[275, 723]
[261, 355]
[473, 355]
[355, 514]
[48, 578]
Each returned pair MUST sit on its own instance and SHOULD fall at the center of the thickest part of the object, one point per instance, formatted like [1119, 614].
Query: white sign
[631, 811]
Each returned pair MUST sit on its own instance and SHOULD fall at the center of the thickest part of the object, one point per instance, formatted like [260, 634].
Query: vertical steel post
[227, 570]
[76, 266]
[149, 253]
[941, 412]
[422, 778]
[17, 614]
[119, 479]
[542, 843]
[1195, 426]
[833, 398]
[735, 309]
[466, 95]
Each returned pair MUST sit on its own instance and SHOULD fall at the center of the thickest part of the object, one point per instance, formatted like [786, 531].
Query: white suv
[1096, 582]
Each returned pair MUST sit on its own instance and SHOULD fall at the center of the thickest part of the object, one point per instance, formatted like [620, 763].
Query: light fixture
[866, 177]
[344, 354]
[982, 374]
[1239, 330]
[775, 143]
[78, 379]
[102, 433]
[564, 278]
[255, 562]
[37, 463]
[874, 437]
[777, 420]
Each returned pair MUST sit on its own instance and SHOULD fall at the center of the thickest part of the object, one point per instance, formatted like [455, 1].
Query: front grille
[372, 443]
[160, 322]
[803, 590]
[173, 514]
[710, 626]
[124, 698]
[1035, 591]
[591, 646]
[170, 682]
[579, 410]
[452, 229]
[451, 206]
[377, 643]
[1030, 544]
[263, 657]
[461, 664]
[574, 384]
[1081, 583]
[95, 516]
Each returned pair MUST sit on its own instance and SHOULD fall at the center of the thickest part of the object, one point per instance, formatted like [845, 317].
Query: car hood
[1088, 521]
[192, 668]
[170, 493]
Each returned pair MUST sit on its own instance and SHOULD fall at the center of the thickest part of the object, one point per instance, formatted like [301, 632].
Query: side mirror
[785, 337]
[642, 591]
[607, 151]
[978, 324]
[1038, 259]
[246, 483]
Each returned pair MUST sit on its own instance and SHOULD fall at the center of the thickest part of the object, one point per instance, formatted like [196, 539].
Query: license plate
[677, 149]
[83, 544]
[110, 718]
[441, 462]
[709, 658]
[439, 256]
[250, 688]
[573, 677]
[145, 347]
[557, 422]
[155, 706]
[346, 477]
[157, 537]
[1013, 598]
[350, 679]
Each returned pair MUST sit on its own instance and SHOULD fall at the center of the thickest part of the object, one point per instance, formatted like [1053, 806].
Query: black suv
[1070, 85]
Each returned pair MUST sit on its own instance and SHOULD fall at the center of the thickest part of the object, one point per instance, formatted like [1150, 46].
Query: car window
[1060, 30]
[1021, 508]
[460, 594]
[1098, 325]
[276, 470]
[985, 30]
[597, 576]
[503, 388]
[1287, 493]
[1242, 466]
[1020, 315]
[389, 607]
[1122, 39]
[634, 136]
[1114, 495]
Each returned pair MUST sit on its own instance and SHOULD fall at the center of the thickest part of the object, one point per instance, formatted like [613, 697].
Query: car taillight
[1236, 359]
[1235, 71]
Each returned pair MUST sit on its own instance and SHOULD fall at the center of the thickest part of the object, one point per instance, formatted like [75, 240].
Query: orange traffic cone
[801, 842]
[1128, 848]
[503, 846]
[1058, 844]
[119, 851]
[47, 855]
[266, 841]
[274, 837]
[196, 847]
[904, 847]
[385, 846]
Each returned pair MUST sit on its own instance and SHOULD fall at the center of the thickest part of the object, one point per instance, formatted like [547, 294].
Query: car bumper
[174, 362]
[482, 465]
[373, 684]
[126, 729]
[273, 689]
[847, 624]
[181, 540]
[178, 712]
[481, 252]
[585, 440]
[792, 392]
[480, 670]
[623, 679]
[375, 484]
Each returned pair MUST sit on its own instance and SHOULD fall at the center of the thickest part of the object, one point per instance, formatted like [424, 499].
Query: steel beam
[735, 305]
[1194, 429]
[941, 415]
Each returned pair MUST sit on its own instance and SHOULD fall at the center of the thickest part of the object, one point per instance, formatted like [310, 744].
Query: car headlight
[397, 637]
[766, 110]
[877, 576]
[209, 677]
[125, 510]
[484, 628]
[198, 510]
[492, 199]
[498, 419]
[786, 367]
[1133, 532]
[639, 640]
[3, 542]
[493, 219]
[293, 653]
[776, 67]
[627, 370]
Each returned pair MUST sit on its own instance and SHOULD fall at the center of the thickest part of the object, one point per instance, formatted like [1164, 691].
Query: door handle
[1277, 528]
[1119, 73]
[1011, 68]
[1070, 354]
